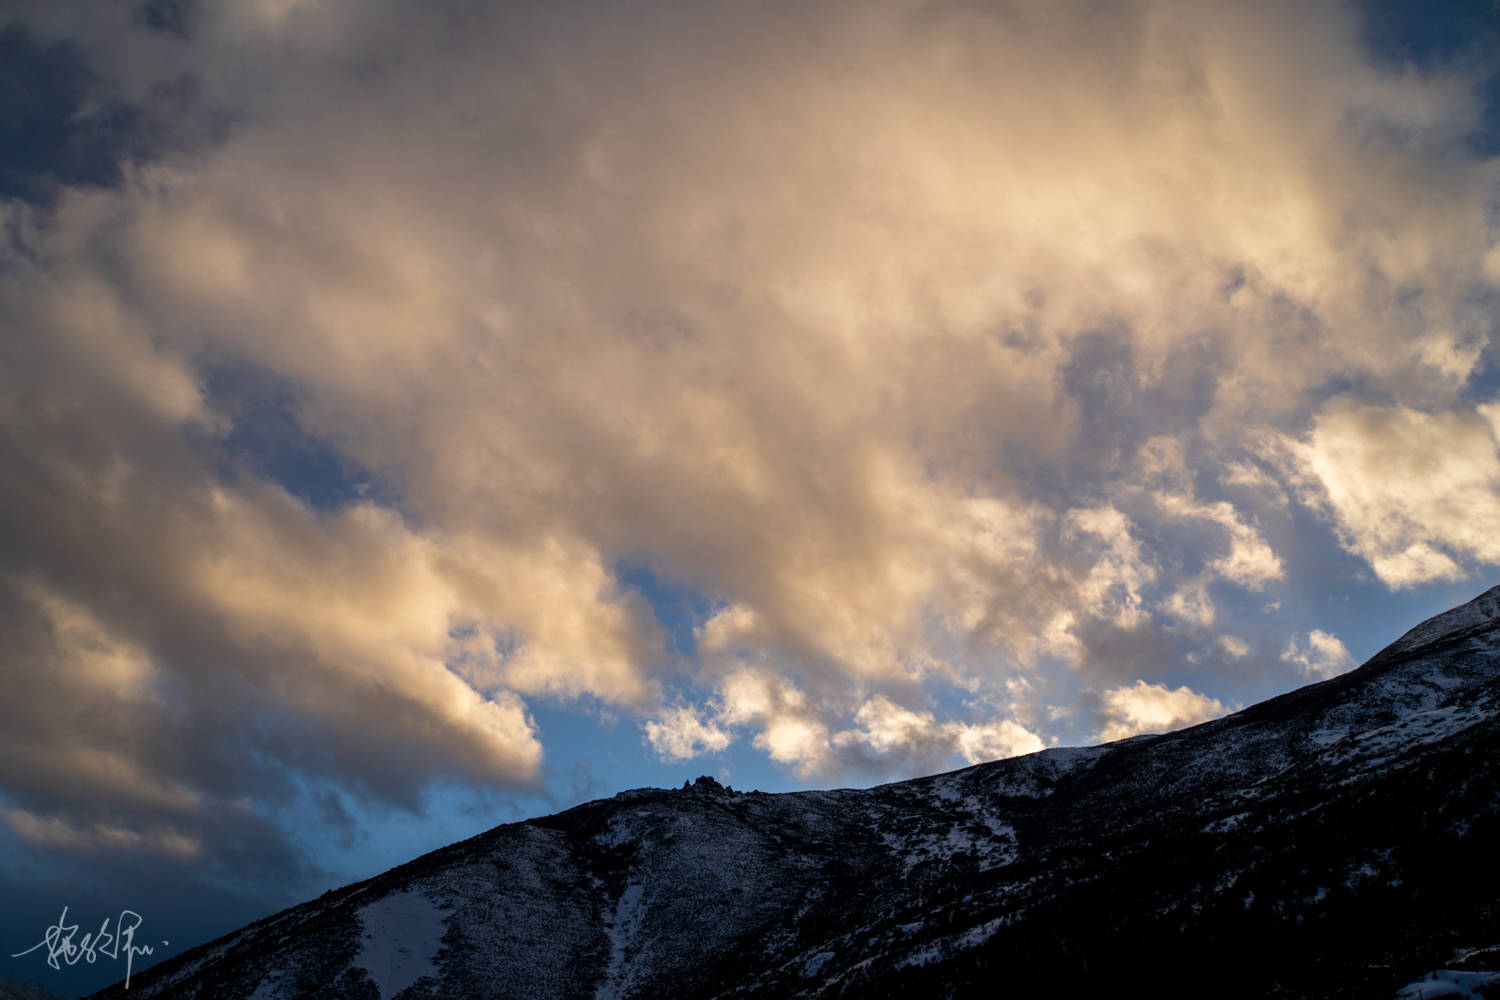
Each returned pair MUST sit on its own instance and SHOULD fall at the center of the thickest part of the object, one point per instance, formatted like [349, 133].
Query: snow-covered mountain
[1340, 840]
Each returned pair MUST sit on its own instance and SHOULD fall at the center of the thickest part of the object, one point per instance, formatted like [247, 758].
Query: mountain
[25, 991]
[1337, 841]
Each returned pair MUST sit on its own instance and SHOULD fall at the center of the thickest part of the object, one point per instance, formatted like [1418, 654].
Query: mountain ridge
[1325, 842]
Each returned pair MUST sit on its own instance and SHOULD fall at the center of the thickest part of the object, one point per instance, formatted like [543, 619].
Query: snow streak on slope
[622, 928]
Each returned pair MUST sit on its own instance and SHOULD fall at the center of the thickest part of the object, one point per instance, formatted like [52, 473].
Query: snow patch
[945, 947]
[1377, 745]
[992, 851]
[622, 829]
[815, 964]
[1451, 984]
[268, 989]
[1226, 823]
[403, 933]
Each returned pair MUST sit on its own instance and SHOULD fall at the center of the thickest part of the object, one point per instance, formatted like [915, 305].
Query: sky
[421, 416]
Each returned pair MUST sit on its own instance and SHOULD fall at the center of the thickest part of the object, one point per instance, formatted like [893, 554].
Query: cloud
[1413, 493]
[1250, 476]
[1192, 604]
[56, 832]
[805, 735]
[885, 728]
[994, 740]
[1234, 646]
[1153, 708]
[1320, 655]
[1250, 562]
[681, 735]
[789, 727]
[1112, 588]
[794, 740]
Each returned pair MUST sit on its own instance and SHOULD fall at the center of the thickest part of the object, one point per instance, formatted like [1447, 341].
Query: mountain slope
[25, 991]
[1335, 841]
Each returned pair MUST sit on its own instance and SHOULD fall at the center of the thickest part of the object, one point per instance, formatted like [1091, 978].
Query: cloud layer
[979, 364]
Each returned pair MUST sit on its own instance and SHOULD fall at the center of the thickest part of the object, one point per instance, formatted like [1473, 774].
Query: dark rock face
[1338, 841]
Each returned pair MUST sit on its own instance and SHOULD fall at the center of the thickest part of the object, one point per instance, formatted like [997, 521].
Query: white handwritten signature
[58, 940]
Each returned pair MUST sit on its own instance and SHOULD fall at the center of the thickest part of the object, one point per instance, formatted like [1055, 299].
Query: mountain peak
[1480, 614]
